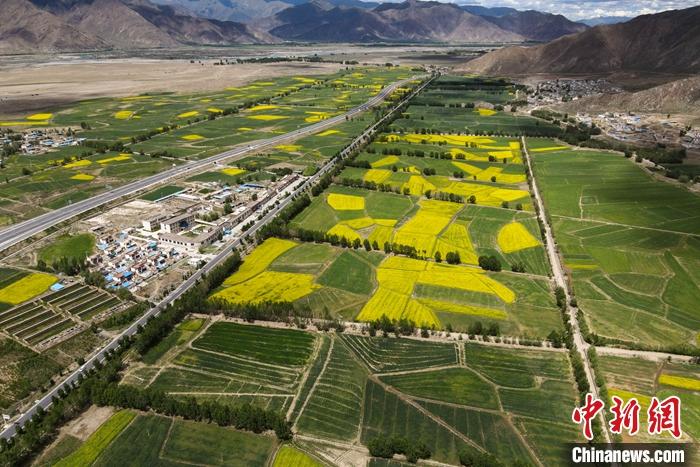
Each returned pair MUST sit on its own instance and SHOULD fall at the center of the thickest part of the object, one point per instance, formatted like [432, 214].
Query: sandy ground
[37, 86]
[88, 422]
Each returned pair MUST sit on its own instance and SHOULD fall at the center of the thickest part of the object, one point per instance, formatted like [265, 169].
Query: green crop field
[68, 246]
[93, 447]
[631, 244]
[633, 377]
[162, 192]
[229, 363]
[333, 407]
[156, 440]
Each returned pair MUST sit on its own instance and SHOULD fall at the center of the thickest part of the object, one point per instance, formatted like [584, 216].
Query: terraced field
[630, 243]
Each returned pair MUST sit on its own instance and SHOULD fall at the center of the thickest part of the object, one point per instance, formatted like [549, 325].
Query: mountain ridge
[667, 42]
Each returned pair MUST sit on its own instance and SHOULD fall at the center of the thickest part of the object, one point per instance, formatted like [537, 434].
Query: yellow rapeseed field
[397, 277]
[421, 230]
[83, 177]
[191, 113]
[328, 133]
[342, 230]
[418, 185]
[691, 384]
[359, 223]
[232, 171]
[244, 128]
[120, 157]
[192, 137]
[515, 237]
[257, 108]
[485, 112]
[26, 288]
[42, 116]
[305, 80]
[270, 286]
[80, 163]
[267, 118]
[341, 202]
[381, 234]
[450, 307]
[467, 168]
[123, 114]
[259, 260]
[288, 147]
[136, 98]
[456, 238]
[465, 278]
[388, 160]
[644, 401]
[383, 302]
[315, 116]
[376, 175]
[458, 140]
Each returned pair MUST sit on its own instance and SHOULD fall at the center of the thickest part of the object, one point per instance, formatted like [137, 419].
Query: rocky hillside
[680, 96]
[667, 42]
[409, 21]
[79, 25]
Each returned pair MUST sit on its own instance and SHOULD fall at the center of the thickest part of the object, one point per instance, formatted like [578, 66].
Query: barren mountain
[537, 26]
[77, 25]
[667, 42]
[34, 30]
[408, 21]
[680, 96]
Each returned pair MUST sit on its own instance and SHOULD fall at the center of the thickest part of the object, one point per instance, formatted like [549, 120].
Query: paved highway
[19, 232]
[284, 199]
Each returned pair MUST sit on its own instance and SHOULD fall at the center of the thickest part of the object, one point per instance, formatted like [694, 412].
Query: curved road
[286, 198]
[24, 230]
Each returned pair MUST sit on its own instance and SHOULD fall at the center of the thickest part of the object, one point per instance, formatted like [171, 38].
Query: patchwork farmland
[630, 244]
[132, 137]
[406, 303]
[349, 388]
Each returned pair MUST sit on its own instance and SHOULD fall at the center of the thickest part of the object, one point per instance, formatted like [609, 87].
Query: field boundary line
[417, 370]
[629, 226]
[427, 413]
[313, 387]
[318, 345]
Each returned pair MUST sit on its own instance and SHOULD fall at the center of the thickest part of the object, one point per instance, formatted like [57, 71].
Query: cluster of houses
[39, 142]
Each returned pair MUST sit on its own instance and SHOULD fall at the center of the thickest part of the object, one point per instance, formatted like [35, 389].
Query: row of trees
[386, 447]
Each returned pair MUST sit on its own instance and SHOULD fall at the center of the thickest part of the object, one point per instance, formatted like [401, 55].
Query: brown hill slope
[667, 42]
[409, 21]
[680, 96]
[34, 30]
[78, 25]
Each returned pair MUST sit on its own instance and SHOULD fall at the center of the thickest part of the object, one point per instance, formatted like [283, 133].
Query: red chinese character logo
[665, 416]
[626, 416]
[586, 414]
